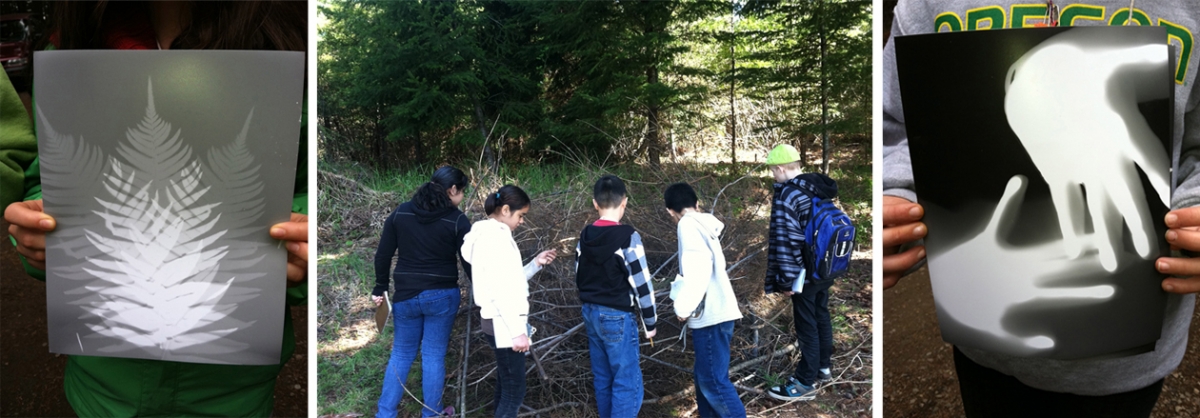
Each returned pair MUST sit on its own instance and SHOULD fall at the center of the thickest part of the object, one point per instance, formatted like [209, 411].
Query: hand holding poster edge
[1184, 234]
[28, 225]
[901, 225]
[295, 234]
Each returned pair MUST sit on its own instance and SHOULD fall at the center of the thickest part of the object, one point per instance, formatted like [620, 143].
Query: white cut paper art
[1068, 274]
[162, 250]
[1083, 128]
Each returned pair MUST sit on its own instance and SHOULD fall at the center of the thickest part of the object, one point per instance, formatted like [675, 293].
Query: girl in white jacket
[704, 299]
[501, 290]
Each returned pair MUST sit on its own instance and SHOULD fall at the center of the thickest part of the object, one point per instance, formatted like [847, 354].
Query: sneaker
[793, 390]
[823, 378]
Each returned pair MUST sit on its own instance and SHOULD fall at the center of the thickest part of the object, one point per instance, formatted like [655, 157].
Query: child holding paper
[428, 232]
[501, 290]
[110, 386]
[995, 384]
[790, 213]
[704, 299]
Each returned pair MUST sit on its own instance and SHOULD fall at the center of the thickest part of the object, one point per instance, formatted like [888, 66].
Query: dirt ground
[31, 377]
[919, 379]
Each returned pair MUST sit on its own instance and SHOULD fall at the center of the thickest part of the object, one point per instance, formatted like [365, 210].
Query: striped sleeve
[639, 279]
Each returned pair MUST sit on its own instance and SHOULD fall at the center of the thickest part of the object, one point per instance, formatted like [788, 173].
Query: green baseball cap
[782, 154]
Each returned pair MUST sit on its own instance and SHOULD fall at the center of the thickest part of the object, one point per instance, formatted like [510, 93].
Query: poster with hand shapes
[1042, 159]
[164, 171]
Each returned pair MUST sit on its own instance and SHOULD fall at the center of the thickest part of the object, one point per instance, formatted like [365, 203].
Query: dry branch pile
[559, 377]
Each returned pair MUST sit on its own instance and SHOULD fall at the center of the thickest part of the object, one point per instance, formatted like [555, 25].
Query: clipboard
[383, 312]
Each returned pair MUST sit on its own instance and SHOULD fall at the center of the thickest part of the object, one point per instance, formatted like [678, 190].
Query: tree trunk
[674, 151]
[804, 151]
[653, 146]
[732, 84]
[488, 157]
[824, 96]
[420, 147]
[377, 142]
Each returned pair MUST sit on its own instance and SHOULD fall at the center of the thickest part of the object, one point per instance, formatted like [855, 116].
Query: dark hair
[433, 195]
[262, 25]
[680, 196]
[609, 191]
[510, 195]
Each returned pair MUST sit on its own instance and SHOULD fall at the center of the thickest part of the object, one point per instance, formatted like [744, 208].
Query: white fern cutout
[69, 167]
[237, 177]
[157, 287]
[237, 174]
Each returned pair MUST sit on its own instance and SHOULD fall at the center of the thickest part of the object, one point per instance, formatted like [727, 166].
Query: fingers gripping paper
[1045, 179]
[165, 170]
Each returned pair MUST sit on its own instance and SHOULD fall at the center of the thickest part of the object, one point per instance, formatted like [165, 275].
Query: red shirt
[129, 29]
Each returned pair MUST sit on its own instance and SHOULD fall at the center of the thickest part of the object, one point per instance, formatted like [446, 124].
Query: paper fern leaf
[237, 174]
[156, 286]
[69, 167]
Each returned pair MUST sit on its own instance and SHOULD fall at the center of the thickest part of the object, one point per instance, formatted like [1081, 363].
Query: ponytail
[434, 195]
[509, 195]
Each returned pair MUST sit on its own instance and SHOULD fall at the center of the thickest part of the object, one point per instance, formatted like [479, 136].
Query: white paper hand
[1071, 104]
[1004, 276]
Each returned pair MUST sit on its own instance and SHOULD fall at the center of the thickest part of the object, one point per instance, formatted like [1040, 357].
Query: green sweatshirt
[18, 145]
[110, 386]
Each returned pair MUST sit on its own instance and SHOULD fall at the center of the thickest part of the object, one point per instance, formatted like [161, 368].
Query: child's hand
[520, 343]
[378, 300]
[295, 232]
[1183, 232]
[650, 334]
[545, 258]
[29, 225]
[901, 224]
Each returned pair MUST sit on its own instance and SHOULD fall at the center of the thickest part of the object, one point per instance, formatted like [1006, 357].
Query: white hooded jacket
[500, 288]
[702, 274]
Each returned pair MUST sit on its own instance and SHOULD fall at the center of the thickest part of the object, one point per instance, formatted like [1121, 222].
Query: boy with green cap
[791, 209]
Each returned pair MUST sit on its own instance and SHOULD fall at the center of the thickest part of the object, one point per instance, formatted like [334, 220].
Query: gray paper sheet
[165, 171]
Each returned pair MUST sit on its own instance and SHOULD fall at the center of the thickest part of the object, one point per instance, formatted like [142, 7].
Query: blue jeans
[617, 373]
[510, 380]
[715, 395]
[422, 323]
[814, 331]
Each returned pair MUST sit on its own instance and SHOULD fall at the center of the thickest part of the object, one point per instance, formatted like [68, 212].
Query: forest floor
[919, 378]
[352, 355]
[32, 376]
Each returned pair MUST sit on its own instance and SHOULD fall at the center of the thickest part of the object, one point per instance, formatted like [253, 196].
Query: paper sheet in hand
[164, 171]
[383, 312]
[1041, 159]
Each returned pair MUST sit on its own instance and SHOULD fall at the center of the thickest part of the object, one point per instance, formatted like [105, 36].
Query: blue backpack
[828, 240]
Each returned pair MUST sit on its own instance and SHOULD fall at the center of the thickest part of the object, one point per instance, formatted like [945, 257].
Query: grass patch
[350, 383]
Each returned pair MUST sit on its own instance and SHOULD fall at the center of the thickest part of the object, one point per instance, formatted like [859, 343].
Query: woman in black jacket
[428, 232]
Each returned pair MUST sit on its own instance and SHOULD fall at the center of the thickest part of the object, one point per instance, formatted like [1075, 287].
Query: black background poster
[1005, 276]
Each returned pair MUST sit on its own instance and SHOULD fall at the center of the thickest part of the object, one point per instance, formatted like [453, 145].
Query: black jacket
[611, 271]
[429, 244]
